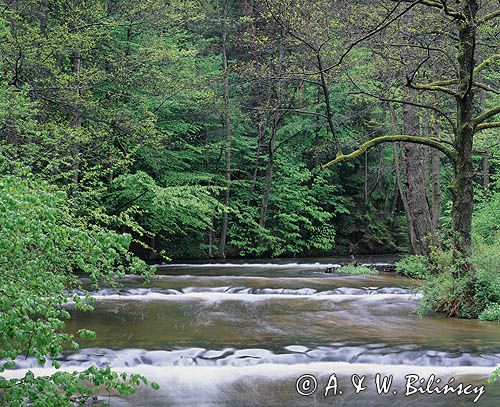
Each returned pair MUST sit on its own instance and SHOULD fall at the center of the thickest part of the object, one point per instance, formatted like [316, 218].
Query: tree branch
[432, 87]
[442, 5]
[488, 17]
[303, 112]
[383, 99]
[447, 82]
[393, 139]
[486, 115]
[486, 87]
[484, 126]
[381, 26]
[486, 63]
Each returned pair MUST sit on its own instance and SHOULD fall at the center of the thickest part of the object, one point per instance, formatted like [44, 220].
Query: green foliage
[485, 222]
[67, 389]
[490, 313]
[42, 244]
[495, 376]
[301, 208]
[171, 212]
[476, 294]
[354, 270]
[414, 267]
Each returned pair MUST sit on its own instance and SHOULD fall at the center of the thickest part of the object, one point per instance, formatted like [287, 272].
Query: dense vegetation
[198, 128]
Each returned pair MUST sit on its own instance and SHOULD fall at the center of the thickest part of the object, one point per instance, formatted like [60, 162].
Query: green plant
[495, 376]
[474, 295]
[414, 266]
[491, 313]
[354, 270]
[42, 244]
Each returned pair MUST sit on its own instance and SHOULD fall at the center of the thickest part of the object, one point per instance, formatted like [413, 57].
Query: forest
[138, 133]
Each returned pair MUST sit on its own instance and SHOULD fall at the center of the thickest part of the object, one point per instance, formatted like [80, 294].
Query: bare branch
[404, 102]
[486, 87]
[443, 5]
[381, 26]
[306, 112]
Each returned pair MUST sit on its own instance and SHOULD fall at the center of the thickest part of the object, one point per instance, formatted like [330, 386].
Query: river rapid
[269, 333]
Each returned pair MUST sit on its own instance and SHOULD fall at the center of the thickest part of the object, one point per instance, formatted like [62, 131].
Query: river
[241, 334]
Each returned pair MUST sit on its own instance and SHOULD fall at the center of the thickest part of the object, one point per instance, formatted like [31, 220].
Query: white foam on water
[223, 296]
[377, 354]
[200, 374]
[315, 265]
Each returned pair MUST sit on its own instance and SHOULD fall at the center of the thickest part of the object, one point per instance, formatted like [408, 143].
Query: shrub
[491, 313]
[476, 294]
[414, 266]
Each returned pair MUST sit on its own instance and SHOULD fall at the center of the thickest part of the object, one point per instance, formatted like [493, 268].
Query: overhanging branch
[484, 126]
[444, 6]
[432, 87]
[486, 115]
[486, 63]
[438, 145]
[488, 17]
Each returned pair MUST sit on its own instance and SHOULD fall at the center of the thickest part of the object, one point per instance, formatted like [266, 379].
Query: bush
[474, 295]
[491, 313]
[477, 294]
[353, 270]
[414, 267]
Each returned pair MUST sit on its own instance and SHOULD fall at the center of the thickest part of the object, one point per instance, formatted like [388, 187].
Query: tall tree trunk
[436, 190]
[317, 130]
[260, 142]
[328, 104]
[462, 188]
[402, 194]
[399, 181]
[269, 177]
[416, 178]
[416, 191]
[365, 183]
[227, 125]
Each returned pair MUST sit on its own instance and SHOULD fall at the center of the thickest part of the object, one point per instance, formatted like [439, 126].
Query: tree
[43, 243]
[464, 16]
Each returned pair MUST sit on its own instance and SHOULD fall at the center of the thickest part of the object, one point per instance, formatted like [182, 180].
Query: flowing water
[242, 334]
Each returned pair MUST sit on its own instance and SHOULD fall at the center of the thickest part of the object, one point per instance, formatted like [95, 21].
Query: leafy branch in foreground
[42, 245]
